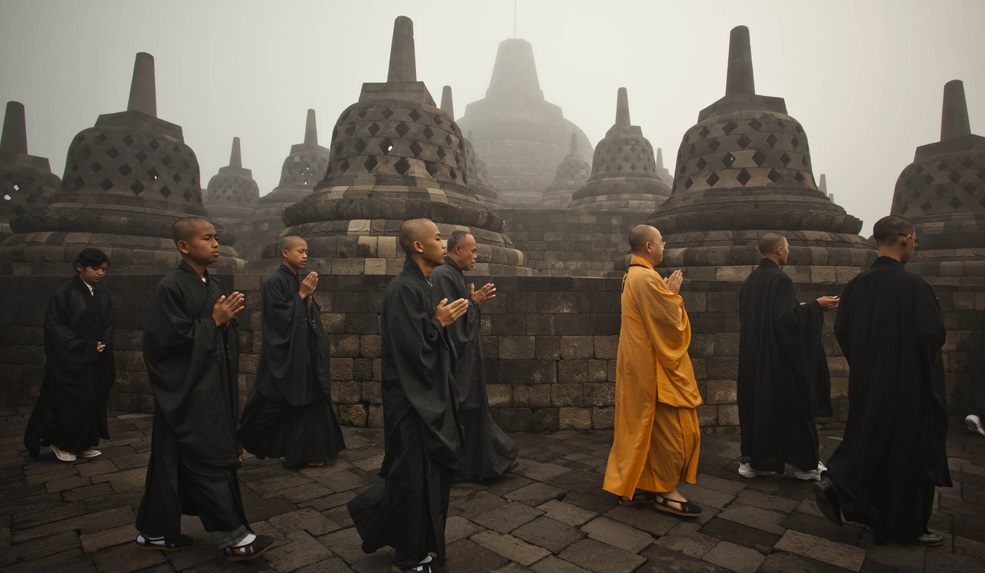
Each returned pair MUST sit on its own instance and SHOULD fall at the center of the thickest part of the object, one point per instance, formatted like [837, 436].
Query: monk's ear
[418, 247]
[182, 246]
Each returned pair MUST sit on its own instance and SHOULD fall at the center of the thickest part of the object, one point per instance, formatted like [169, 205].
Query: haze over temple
[521, 136]
[127, 179]
[571, 174]
[476, 173]
[26, 181]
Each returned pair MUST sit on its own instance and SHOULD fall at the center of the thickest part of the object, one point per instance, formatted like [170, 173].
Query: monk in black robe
[407, 508]
[70, 414]
[890, 327]
[783, 374]
[489, 452]
[289, 412]
[974, 390]
[192, 359]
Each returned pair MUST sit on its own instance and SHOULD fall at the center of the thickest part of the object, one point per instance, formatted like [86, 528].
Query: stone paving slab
[550, 516]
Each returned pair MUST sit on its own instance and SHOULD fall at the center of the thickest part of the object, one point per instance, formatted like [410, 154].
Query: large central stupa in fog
[521, 137]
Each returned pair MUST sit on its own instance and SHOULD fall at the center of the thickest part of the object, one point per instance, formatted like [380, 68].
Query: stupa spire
[622, 108]
[310, 129]
[514, 76]
[660, 158]
[235, 157]
[740, 77]
[143, 87]
[14, 138]
[403, 62]
[574, 143]
[954, 116]
[447, 105]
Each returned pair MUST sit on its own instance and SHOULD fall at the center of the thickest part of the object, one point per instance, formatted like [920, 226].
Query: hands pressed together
[226, 308]
[308, 285]
[674, 281]
[448, 312]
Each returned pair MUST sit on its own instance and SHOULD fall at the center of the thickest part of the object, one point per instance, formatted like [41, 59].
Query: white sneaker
[62, 455]
[90, 453]
[974, 424]
[810, 475]
[746, 471]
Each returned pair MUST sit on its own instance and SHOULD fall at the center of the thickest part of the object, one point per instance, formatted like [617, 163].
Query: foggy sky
[864, 77]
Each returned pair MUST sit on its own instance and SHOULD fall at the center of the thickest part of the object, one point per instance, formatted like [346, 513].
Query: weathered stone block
[516, 347]
[574, 347]
[575, 419]
[720, 392]
[603, 418]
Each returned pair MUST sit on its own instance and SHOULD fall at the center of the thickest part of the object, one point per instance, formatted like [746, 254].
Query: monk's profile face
[656, 247]
[783, 252]
[201, 243]
[466, 253]
[431, 246]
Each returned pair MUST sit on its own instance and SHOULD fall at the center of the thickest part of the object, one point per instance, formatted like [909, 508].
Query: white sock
[246, 540]
[141, 538]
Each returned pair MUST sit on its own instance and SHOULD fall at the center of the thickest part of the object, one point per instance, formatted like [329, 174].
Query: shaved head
[887, 230]
[414, 230]
[640, 235]
[770, 242]
[183, 229]
[289, 241]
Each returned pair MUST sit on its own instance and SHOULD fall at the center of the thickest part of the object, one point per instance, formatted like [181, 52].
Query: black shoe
[249, 551]
[827, 500]
[161, 544]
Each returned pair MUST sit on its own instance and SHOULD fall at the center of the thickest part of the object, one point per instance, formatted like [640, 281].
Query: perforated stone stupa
[232, 194]
[395, 156]
[571, 174]
[127, 179]
[943, 194]
[521, 136]
[624, 172]
[26, 181]
[743, 169]
[475, 173]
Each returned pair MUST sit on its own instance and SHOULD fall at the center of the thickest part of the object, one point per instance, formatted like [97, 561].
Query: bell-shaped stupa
[26, 181]
[127, 179]
[521, 137]
[475, 173]
[943, 194]
[232, 194]
[394, 156]
[571, 174]
[743, 169]
[624, 173]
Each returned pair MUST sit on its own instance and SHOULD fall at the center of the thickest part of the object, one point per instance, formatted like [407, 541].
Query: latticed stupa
[475, 172]
[521, 136]
[743, 169]
[26, 181]
[943, 194]
[127, 179]
[232, 195]
[571, 174]
[395, 156]
[624, 172]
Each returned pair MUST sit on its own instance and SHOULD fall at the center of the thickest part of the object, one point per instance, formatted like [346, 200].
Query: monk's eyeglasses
[915, 240]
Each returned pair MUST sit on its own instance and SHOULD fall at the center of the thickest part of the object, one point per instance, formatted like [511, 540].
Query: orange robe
[656, 438]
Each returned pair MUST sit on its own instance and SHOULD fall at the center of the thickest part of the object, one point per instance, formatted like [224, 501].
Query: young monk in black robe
[70, 414]
[890, 327]
[974, 390]
[407, 508]
[190, 350]
[489, 453]
[289, 412]
[783, 374]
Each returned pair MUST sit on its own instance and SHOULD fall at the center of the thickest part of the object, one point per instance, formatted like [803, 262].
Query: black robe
[71, 409]
[289, 412]
[192, 365]
[407, 508]
[891, 330]
[489, 452]
[783, 377]
[974, 390]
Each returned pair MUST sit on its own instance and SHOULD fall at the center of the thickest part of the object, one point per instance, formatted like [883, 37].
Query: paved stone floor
[550, 516]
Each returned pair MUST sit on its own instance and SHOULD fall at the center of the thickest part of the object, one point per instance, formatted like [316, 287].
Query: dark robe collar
[183, 266]
[415, 270]
[284, 268]
[768, 263]
[454, 265]
[80, 285]
[882, 262]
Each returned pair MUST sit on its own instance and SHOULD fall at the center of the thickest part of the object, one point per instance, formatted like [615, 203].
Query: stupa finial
[143, 87]
[310, 129]
[447, 105]
[954, 116]
[622, 108]
[403, 62]
[660, 158]
[235, 157]
[14, 138]
[740, 78]
[574, 143]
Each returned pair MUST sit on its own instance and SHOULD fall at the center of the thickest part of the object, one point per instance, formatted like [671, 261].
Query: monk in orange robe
[657, 439]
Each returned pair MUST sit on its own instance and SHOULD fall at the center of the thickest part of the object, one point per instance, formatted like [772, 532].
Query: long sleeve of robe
[407, 508]
[891, 330]
[656, 439]
[489, 452]
[192, 365]
[71, 409]
[783, 374]
[289, 411]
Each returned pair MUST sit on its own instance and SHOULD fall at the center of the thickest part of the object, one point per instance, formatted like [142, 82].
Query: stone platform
[550, 516]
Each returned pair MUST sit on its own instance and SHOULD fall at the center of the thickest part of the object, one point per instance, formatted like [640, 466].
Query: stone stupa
[26, 181]
[232, 196]
[571, 174]
[521, 136]
[476, 172]
[943, 194]
[127, 179]
[624, 172]
[743, 169]
[394, 156]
